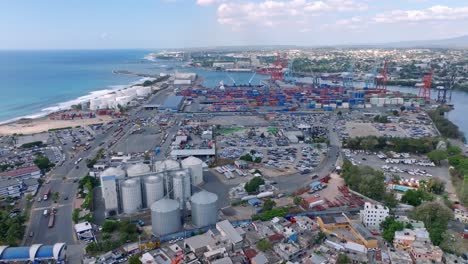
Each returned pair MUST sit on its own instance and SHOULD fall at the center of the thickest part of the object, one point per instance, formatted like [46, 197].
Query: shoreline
[64, 106]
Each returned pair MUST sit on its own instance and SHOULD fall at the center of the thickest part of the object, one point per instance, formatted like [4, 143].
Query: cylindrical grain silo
[181, 186]
[196, 169]
[131, 196]
[165, 217]
[154, 189]
[138, 170]
[204, 208]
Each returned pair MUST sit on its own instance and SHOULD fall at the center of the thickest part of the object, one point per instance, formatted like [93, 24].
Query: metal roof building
[172, 103]
[36, 252]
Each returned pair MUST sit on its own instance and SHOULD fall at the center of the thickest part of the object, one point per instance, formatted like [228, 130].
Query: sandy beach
[43, 124]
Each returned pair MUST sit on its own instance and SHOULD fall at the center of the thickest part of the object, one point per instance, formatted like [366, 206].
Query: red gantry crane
[425, 87]
[381, 79]
[279, 66]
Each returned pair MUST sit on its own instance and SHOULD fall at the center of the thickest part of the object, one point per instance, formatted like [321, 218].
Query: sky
[159, 24]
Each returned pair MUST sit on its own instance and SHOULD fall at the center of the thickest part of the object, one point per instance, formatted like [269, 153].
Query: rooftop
[172, 102]
[20, 172]
[229, 231]
[364, 232]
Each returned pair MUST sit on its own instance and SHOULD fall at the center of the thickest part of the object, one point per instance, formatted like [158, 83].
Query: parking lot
[416, 167]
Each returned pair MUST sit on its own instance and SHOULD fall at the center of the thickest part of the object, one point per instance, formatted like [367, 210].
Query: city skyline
[162, 24]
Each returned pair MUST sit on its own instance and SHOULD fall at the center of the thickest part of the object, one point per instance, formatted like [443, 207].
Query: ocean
[35, 83]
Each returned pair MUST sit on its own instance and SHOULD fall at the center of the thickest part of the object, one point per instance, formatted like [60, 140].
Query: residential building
[400, 257]
[259, 259]
[288, 252]
[425, 251]
[84, 230]
[233, 237]
[347, 229]
[373, 214]
[405, 238]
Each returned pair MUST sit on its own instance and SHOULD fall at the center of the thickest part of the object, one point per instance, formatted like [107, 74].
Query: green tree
[246, 157]
[264, 245]
[76, 215]
[43, 163]
[343, 259]
[437, 156]
[435, 216]
[134, 259]
[453, 150]
[435, 185]
[110, 226]
[253, 185]
[268, 204]
[389, 227]
[416, 197]
[298, 200]
[389, 200]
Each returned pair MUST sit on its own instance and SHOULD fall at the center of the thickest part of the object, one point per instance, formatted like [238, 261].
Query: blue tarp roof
[15, 253]
[45, 252]
[254, 201]
[22, 253]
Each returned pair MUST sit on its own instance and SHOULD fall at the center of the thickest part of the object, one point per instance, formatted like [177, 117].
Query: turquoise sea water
[34, 83]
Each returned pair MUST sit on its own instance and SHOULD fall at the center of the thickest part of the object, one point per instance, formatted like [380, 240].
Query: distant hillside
[457, 42]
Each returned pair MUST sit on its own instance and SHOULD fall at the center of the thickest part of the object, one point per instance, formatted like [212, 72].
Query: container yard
[286, 98]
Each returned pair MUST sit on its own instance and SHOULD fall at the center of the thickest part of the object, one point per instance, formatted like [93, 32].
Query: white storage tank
[113, 171]
[195, 165]
[154, 189]
[94, 103]
[181, 186]
[143, 91]
[131, 196]
[138, 170]
[122, 100]
[167, 165]
[165, 217]
[204, 208]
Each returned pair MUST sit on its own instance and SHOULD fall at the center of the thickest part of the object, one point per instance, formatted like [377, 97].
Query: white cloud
[206, 2]
[271, 13]
[434, 13]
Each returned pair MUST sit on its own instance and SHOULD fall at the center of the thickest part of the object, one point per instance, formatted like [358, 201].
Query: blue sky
[101, 24]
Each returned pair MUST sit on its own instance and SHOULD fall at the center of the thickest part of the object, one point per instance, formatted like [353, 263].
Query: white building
[373, 215]
[84, 230]
[109, 193]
